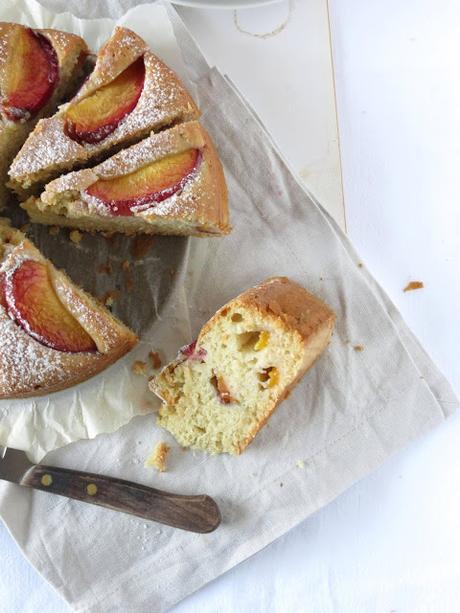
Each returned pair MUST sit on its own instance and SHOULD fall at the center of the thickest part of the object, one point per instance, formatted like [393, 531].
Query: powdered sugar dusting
[45, 147]
[156, 146]
[26, 364]
[163, 101]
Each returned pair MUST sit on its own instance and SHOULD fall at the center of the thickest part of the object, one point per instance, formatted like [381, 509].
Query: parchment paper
[111, 399]
[353, 410]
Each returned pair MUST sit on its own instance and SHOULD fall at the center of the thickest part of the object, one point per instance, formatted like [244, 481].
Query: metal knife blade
[14, 464]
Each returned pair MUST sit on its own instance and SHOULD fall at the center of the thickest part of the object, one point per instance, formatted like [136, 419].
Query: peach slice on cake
[96, 116]
[129, 94]
[169, 183]
[31, 75]
[148, 185]
[33, 304]
[52, 333]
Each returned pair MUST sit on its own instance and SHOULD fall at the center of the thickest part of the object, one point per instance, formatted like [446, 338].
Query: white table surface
[392, 542]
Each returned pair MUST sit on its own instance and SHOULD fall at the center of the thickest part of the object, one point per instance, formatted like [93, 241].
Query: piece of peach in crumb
[157, 459]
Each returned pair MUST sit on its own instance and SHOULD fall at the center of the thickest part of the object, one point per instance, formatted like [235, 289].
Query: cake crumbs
[25, 228]
[300, 464]
[412, 285]
[141, 245]
[76, 236]
[358, 347]
[157, 459]
[109, 297]
[105, 268]
[139, 368]
[125, 265]
[54, 230]
[360, 264]
[155, 359]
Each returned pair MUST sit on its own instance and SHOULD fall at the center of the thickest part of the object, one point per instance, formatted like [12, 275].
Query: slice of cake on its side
[129, 93]
[38, 70]
[169, 183]
[223, 388]
[52, 333]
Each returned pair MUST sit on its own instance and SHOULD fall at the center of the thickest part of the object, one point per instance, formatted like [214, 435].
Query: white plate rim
[235, 4]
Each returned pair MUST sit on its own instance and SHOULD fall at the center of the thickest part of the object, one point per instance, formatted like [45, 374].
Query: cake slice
[129, 93]
[38, 69]
[52, 333]
[222, 388]
[169, 183]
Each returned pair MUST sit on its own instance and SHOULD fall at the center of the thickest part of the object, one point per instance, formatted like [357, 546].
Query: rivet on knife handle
[193, 513]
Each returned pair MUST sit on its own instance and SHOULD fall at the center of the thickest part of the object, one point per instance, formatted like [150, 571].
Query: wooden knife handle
[194, 513]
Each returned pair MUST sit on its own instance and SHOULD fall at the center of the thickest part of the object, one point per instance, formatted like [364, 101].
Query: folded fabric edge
[431, 375]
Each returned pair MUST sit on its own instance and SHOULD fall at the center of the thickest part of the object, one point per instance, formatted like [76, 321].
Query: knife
[194, 513]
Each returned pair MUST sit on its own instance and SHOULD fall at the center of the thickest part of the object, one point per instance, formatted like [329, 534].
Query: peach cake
[223, 388]
[129, 94]
[52, 333]
[38, 70]
[169, 183]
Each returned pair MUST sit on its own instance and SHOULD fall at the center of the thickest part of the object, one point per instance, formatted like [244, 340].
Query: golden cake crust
[122, 49]
[290, 307]
[202, 202]
[298, 324]
[28, 368]
[48, 151]
[287, 303]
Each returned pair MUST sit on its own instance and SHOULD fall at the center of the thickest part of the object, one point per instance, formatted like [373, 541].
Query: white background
[392, 542]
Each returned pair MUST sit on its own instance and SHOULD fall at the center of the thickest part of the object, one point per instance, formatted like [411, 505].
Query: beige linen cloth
[352, 410]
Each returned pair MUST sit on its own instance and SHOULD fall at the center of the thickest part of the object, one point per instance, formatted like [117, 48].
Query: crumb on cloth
[54, 230]
[412, 285]
[157, 459]
[300, 464]
[125, 265]
[358, 347]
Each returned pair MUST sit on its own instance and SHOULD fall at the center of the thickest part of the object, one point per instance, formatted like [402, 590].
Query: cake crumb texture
[157, 459]
[222, 389]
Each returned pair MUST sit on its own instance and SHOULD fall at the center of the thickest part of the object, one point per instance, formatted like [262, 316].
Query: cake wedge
[223, 388]
[52, 333]
[169, 183]
[129, 93]
[38, 70]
